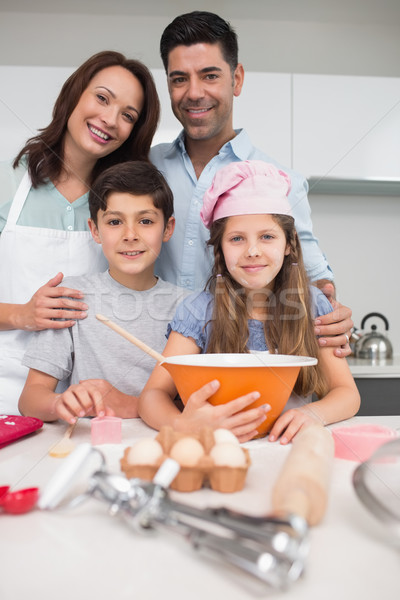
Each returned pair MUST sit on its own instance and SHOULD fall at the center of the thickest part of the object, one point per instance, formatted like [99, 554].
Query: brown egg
[187, 451]
[145, 452]
[228, 454]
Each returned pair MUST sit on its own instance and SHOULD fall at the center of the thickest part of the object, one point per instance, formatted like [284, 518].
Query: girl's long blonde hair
[288, 324]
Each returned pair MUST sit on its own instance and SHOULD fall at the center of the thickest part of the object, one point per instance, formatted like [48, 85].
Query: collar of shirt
[240, 145]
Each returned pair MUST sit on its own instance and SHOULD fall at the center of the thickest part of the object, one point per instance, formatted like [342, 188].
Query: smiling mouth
[197, 111]
[136, 253]
[253, 267]
[99, 133]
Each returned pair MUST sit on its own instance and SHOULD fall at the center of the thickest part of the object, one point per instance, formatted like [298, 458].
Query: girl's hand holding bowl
[199, 413]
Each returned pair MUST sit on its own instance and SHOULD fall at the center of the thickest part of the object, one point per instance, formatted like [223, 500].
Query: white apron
[29, 257]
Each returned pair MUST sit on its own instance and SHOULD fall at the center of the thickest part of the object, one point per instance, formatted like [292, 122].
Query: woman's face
[105, 115]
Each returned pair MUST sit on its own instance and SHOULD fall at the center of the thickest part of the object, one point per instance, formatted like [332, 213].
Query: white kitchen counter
[85, 553]
[365, 368]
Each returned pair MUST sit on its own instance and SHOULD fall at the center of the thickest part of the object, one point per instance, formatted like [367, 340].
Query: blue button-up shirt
[186, 260]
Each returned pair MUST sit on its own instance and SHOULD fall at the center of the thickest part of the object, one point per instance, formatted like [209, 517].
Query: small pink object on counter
[106, 430]
[358, 443]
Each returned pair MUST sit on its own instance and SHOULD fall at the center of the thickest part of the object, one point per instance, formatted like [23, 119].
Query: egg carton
[189, 479]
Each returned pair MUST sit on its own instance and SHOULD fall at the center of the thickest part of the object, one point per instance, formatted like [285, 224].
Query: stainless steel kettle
[373, 345]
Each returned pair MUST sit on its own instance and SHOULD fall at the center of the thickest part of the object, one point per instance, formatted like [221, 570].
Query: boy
[131, 208]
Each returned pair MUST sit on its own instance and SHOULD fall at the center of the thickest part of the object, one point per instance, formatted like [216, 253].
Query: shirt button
[190, 242]
[69, 207]
[70, 228]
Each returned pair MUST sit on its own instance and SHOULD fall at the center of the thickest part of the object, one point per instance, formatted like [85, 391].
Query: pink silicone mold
[359, 442]
[106, 430]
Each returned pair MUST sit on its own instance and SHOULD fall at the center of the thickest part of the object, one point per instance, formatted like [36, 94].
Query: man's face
[202, 87]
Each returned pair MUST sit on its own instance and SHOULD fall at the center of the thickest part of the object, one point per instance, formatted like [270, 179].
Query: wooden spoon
[131, 338]
[64, 446]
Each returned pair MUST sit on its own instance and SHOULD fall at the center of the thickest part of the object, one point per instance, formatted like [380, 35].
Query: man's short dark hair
[139, 178]
[199, 27]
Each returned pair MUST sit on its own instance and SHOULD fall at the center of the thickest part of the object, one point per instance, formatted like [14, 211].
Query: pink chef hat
[251, 187]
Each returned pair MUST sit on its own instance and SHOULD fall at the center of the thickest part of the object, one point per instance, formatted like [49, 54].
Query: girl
[257, 298]
[107, 112]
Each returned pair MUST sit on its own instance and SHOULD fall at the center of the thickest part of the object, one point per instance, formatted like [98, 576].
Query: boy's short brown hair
[138, 178]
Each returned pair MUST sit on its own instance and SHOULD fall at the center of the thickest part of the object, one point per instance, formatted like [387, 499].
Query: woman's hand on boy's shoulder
[48, 303]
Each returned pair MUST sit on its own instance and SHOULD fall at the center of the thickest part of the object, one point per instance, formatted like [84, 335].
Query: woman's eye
[129, 117]
[101, 98]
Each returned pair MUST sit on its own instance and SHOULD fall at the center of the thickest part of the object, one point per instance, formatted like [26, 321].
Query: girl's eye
[236, 238]
[267, 236]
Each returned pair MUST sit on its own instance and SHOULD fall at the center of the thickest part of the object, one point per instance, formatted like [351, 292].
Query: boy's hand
[116, 402]
[48, 303]
[198, 413]
[290, 423]
[81, 400]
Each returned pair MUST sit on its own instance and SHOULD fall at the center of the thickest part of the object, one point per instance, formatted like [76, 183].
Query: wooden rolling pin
[302, 485]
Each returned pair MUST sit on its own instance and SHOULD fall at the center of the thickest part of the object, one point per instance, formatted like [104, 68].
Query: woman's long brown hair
[288, 325]
[45, 151]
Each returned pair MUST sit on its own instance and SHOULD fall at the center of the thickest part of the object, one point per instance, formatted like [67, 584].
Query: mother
[107, 112]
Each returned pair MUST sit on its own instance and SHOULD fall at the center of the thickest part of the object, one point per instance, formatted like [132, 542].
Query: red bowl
[20, 501]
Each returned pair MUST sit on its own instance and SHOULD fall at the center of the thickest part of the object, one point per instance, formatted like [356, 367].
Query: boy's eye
[146, 221]
[114, 222]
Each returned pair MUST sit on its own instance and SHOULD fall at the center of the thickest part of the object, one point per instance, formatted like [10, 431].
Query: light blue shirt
[44, 206]
[185, 260]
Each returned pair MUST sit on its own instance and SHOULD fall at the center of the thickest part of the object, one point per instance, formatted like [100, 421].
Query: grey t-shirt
[91, 350]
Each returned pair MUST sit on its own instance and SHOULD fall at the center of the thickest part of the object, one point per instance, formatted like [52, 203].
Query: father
[200, 55]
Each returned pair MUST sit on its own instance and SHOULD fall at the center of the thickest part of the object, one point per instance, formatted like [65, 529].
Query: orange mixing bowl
[273, 375]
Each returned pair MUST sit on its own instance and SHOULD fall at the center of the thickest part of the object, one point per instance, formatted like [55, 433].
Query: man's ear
[238, 79]
[169, 229]
[94, 231]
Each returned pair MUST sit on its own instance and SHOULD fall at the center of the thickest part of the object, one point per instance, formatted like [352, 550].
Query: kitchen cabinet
[346, 127]
[264, 110]
[378, 384]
